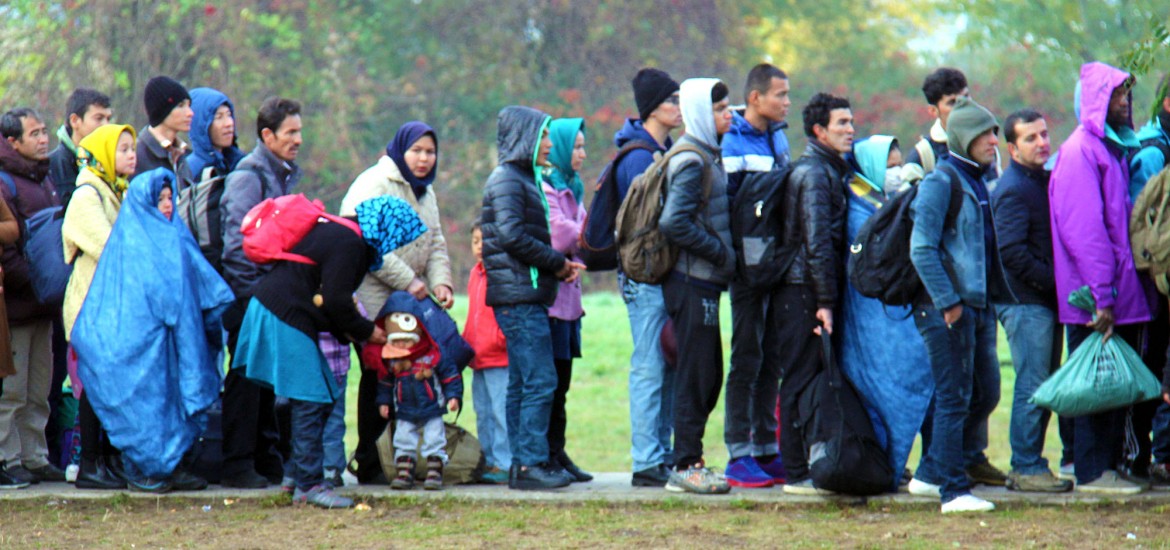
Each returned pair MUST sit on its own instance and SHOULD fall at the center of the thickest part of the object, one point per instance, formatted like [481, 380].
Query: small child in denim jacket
[422, 388]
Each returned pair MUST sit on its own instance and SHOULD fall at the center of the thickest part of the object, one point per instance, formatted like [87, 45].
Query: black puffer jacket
[814, 208]
[518, 256]
[1023, 228]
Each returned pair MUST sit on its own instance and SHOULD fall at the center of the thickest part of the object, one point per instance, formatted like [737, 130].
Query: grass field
[598, 402]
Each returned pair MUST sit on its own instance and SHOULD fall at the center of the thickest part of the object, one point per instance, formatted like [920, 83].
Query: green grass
[598, 403]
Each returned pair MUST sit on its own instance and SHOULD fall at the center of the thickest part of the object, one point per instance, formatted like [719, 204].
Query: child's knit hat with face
[401, 326]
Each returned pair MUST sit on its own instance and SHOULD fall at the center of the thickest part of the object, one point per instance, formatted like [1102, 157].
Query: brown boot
[405, 479]
[434, 480]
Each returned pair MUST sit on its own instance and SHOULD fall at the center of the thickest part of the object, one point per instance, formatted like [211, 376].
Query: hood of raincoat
[563, 133]
[204, 102]
[871, 156]
[1097, 83]
[695, 101]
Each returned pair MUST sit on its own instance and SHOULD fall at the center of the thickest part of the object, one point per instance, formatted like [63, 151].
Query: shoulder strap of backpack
[925, 154]
[263, 181]
[704, 164]
[956, 200]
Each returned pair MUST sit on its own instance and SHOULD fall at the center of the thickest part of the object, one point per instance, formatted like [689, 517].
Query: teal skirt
[281, 357]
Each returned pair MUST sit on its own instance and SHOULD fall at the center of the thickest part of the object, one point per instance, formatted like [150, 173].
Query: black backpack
[761, 258]
[843, 452]
[879, 258]
[597, 243]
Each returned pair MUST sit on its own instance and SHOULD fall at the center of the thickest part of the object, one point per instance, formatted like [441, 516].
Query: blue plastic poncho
[882, 352]
[148, 332]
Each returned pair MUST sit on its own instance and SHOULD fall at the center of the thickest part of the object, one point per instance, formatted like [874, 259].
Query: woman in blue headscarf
[881, 350]
[148, 332]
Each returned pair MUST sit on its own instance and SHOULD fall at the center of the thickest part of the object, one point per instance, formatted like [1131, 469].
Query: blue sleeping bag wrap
[148, 332]
[439, 325]
[882, 352]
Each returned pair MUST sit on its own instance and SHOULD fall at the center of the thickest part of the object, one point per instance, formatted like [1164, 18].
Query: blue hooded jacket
[636, 161]
[204, 102]
[746, 150]
[148, 334]
[1149, 160]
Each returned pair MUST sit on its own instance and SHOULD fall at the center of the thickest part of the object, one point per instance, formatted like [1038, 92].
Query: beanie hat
[651, 88]
[400, 326]
[162, 95]
[968, 121]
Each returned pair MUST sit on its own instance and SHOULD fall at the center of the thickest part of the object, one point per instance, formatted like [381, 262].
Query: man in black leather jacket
[523, 269]
[814, 209]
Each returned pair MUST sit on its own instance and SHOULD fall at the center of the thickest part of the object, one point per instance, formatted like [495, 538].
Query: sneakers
[697, 479]
[806, 488]
[746, 472]
[322, 496]
[1067, 471]
[1043, 482]
[8, 481]
[654, 476]
[434, 480]
[494, 476]
[1133, 477]
[404, 481]
[986, 474]
[288, 485]
[538, 477]
[966, 503]
[1160, 474]
[924, 489]
[775, 469]
[1110, 483]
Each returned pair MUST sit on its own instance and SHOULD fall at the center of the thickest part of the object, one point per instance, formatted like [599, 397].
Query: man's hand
[378, 336]
[570, 271]
[825, 316]
[952, 314]
[453, 405]
[1103, 323]
[445, 295]
[384, 410]
[417, 288]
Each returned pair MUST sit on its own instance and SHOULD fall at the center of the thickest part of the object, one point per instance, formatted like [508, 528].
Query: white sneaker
[967, 503]
[806, 488]
[1110, 483]
[924, 489]
[1068, 471]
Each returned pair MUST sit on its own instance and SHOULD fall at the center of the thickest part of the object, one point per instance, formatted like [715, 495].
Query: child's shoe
[322, 496]
[434, 480]
[494, 476]
[405, 479]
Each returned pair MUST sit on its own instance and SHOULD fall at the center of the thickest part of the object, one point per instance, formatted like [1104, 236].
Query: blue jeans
[651, 378]
[308, 424]
[490, 392]
[966, 383]
[1035, 340]
[334, 437]
[532, 379]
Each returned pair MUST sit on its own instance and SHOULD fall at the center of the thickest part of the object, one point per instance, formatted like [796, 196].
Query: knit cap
[651, 88]
[968, 121]
[400, 326]
[162, 95]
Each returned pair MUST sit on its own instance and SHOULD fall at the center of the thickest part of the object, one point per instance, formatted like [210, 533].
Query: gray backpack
[198, 205]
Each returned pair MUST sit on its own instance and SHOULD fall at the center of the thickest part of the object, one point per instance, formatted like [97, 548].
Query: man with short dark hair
[24, 398]
[942, 89]
[168, 107]
[269, 171]
[814, 208]
[85, 111]
[1024, 234]
[755, 143]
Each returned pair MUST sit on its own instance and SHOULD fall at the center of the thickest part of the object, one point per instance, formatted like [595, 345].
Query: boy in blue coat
[419, 384]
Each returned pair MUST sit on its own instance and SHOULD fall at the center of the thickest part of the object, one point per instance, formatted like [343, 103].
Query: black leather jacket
[700, 227]
[518, 256]
[814, 208]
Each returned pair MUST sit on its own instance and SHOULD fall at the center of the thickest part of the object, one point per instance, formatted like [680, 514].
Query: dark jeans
[694, 311]
[558, 420]
[370, 426]
[754, 379]
[250, 432]
[53, 428]
[308, 454]
[532, 380]
[800, 361]
[1099, 439]
[966, 386]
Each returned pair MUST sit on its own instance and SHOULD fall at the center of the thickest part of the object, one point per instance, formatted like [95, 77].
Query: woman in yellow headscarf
[109, 158]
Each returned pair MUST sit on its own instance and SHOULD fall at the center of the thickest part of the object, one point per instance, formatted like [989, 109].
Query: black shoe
[377, 479]
[23, 474]
[114, 466]
[535, 478]
[149, 485]
[578, 475]
[654, 476]
[48, 472]
[246, 480]
[8, 481]
[94, 475]
[182, 480]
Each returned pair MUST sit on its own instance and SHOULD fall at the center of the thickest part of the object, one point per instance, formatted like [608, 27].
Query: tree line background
[363, 67]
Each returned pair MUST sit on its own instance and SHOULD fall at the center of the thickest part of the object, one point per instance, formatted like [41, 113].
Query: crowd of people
[155, 299]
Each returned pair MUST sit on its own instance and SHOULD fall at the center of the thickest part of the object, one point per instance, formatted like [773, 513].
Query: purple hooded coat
[1089, 197]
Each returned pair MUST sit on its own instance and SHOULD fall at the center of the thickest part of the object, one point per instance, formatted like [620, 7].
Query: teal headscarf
[871, 156]
[563, 133]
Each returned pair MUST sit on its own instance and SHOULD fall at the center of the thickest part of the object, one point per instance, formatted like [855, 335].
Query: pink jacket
[565, 217]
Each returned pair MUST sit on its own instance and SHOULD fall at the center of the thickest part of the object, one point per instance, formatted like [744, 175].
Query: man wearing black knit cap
[651, 380]
[168, 107]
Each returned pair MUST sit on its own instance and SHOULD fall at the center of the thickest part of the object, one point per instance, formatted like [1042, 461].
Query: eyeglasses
[673, 100]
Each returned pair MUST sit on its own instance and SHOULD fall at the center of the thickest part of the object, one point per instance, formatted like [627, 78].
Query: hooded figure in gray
[696, 220]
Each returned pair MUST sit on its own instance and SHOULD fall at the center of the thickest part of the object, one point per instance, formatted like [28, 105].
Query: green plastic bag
[1098, 376]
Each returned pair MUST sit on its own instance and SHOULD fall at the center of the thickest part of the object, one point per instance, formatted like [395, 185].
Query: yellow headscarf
[97, 153]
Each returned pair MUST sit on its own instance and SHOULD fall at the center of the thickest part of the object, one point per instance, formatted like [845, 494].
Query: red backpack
[275, 226]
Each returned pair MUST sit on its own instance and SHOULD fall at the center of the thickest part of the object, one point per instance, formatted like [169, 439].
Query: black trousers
[800, 362]
[94, 441]
[370, 426]
[1140, 421]
[250, 432]
[754, 378]
[53, 428]
[694, 310]
[558, 420]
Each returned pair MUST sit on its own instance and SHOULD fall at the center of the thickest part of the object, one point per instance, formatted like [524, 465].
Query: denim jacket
[950, 261]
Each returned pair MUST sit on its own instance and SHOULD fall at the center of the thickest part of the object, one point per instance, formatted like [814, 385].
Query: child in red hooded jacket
[490, 368]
